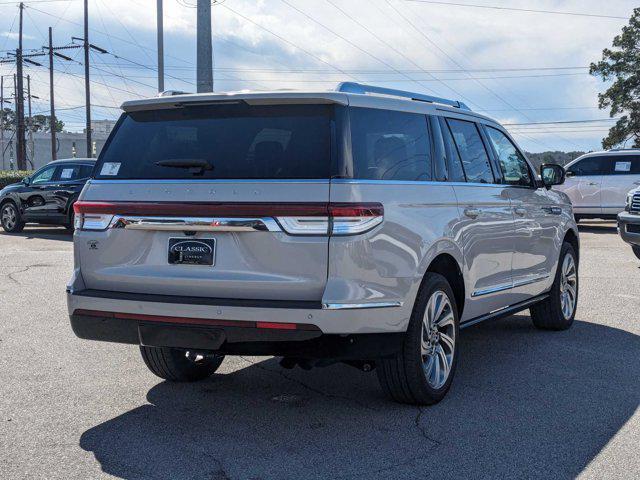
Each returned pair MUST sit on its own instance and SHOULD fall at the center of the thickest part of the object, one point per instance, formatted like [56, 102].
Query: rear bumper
[333, 319]
[626, 223]
[301, 329]
[228, 338]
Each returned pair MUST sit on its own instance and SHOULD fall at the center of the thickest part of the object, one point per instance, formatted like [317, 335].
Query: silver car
[362, 225]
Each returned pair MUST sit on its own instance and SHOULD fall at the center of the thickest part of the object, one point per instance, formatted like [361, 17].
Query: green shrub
[12, 176]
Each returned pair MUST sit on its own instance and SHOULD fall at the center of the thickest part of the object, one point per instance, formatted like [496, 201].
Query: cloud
[268, 44]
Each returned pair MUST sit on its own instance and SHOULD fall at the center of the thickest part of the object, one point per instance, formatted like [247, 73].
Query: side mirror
[26, 180]
[552, 174]
[570, 174]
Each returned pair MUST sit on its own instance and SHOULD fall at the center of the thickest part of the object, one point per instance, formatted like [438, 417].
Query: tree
[41, 123]
[8, 119]
[621, 65]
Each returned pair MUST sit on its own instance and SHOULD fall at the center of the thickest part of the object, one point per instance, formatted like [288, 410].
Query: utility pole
[86, 78]
[30, 144]
[160, 28]
[21, 153]
[52, 117]
[204, 48]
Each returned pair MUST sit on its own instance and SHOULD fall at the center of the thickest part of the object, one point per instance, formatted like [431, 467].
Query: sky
[519, 67]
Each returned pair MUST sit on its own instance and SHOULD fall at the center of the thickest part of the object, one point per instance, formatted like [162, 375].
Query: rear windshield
[231, 141]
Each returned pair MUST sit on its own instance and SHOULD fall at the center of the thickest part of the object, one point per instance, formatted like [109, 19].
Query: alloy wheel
[438, 339]
[9, 217]
[568, 286]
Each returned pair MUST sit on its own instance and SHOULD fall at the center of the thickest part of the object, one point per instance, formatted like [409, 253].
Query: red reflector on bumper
[277, 326]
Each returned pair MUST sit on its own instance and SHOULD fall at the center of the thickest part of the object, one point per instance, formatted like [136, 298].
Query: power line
[515, 9]
[561, 122]
[320, 59]
[346, 40]
[458, 65]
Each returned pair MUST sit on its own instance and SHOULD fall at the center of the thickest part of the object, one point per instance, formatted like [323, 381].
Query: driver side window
[43, 176]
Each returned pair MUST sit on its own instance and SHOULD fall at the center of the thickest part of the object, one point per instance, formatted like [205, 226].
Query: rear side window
[454, 164]
[472, 152]
[390, 145]
[234, 141]
[515, 170]
[625, 165]
[591, 166]
[74, 172]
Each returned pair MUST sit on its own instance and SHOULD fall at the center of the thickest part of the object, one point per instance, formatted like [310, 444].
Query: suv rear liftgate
[200, 206]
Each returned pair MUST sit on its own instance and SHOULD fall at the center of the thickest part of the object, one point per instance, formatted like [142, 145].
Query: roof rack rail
[360, 88]
[630, 149]
[171, 93]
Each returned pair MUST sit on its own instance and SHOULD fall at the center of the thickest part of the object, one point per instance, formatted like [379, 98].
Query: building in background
[102, 127]
[39, 150]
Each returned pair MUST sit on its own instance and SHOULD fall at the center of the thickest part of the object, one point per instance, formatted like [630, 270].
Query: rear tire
[175, 365]
[636, 250]
[10, 218]
[70, 226]
[422, 372]
[558, 310]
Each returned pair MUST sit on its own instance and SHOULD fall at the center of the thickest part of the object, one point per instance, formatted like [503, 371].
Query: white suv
[597, 183]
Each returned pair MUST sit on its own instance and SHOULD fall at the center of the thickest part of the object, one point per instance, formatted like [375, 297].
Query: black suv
[46, 197]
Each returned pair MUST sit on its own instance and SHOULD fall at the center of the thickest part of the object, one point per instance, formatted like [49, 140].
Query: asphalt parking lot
[524, 404]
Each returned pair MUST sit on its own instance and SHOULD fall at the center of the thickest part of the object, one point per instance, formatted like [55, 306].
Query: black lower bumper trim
[219, 302]
[230, 340]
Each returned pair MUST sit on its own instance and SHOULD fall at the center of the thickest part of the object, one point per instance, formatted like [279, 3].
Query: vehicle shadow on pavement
[604, 227]
[525, 404]
[60, 234]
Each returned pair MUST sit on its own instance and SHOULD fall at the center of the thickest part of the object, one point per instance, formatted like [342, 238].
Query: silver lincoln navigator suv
[362, 225]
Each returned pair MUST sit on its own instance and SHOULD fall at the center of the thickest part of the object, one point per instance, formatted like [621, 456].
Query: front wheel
[10, 218]
[558, 310]
[422, 372]
[636, 250]
[178, 365]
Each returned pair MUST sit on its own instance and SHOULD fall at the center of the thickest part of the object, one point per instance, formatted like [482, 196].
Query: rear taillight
[89, 217]
[341, 219]
[294, 219]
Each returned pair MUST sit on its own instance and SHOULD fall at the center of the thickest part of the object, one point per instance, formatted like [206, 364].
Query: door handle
[472, 212]
[593, 184]
[521, 212]
[552, 210]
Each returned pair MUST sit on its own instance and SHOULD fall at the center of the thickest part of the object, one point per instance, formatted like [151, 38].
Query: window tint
[85, 171]
[512, 163]
[237, 140]
[625, 165]
[44, 175]
[591, 166]
[475, 159]
[390, 145]
[68, 173]
[454, 164]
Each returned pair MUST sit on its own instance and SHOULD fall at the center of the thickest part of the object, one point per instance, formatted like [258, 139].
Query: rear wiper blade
[186, 163]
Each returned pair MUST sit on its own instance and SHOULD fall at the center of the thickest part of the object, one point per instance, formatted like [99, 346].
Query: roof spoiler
[363, 89]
